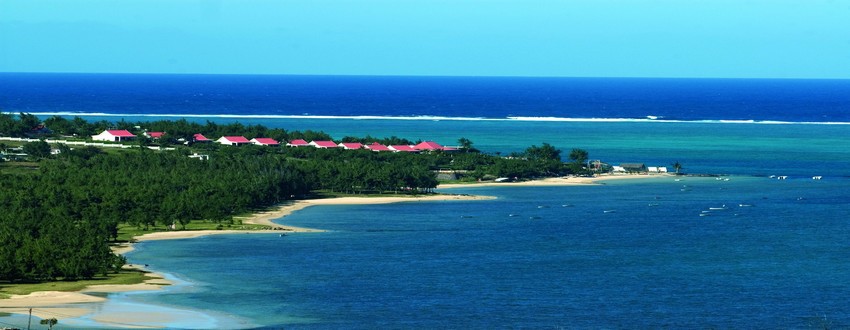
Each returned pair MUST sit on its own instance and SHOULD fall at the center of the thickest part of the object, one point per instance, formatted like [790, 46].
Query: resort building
[200, 138]
[154, 135]
[298, 143]
[375, 146]
[265, 142]
[351, 145]
[324, 144]
[634, 167]
[233, 140]
[114, 135]
[402, 148]
[431, 146]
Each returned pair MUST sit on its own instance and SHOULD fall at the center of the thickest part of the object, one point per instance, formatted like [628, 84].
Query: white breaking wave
[647, 119]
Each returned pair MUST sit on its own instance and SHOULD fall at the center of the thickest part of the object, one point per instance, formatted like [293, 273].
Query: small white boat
[534, 218]
[609, 211]
[567, 205]
[513, 215]
[704, 214]
[745, 205]
[652, 204]
[817, 177]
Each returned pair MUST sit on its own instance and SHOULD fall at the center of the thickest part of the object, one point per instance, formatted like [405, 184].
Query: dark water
[466, 97]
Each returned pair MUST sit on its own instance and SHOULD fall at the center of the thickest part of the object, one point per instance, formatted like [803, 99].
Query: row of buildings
[124, 135]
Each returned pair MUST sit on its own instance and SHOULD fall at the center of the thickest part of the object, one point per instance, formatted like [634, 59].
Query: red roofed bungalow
[375, 146]
[200, 138]
[265, 142]
[404, 148]
[351, 145]
[114, 135]
[298, 143]
[154, 135]
[233, 140]
[428, 145]
[324, 144]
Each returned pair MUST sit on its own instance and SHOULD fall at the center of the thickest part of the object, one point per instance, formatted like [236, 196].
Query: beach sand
[563, 181]
[63, 305]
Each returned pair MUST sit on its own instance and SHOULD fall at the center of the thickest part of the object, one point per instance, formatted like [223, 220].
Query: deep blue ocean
[767, 253]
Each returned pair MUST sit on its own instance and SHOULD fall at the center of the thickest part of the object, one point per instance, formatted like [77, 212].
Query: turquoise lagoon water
[702, 147]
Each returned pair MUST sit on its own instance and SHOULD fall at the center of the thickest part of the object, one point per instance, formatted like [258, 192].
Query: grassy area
[320, 194]
[130, 276]
[127, 232]
[18, 167]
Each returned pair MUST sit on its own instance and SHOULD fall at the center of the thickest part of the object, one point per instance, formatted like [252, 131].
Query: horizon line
[409, 75]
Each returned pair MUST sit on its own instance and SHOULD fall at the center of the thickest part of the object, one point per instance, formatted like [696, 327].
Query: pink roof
[428, 145]
[377, 147]
[450, 149]
[200, 137]
[351, 145]
[403, 148]
[156, 135]
[267, 141]
[298, 142]
[237, 139]
[324, 144]
[120, 133]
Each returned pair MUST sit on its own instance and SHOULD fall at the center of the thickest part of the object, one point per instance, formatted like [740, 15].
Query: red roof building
[402, 148]
[351, 145]
[298, 143]
[324, 144]
[200, 138]
[154, 135]
[375, 146]
[428, 145]
[233, 140]
[265, 142]
[114, 135]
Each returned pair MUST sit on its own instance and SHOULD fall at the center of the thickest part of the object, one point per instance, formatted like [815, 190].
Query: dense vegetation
[57, 221]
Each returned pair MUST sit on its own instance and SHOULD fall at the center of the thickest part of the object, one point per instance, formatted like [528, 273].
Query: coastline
[567, 181]
[70, 305]
[76, 304]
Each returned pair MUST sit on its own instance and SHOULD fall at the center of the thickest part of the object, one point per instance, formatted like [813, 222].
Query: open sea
[743, 250]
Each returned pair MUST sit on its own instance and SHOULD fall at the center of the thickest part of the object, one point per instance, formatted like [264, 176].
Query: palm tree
[677, 166]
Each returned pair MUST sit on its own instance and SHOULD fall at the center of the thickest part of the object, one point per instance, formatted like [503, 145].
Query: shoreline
[77, 304]
[560, 181]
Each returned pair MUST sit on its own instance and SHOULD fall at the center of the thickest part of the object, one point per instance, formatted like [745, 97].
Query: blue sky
[588, 38]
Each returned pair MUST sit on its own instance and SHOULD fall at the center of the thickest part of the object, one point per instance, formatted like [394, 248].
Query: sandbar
[561, 181]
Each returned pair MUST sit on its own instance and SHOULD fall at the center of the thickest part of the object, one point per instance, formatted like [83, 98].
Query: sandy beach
[62, 305]
[563, 181]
